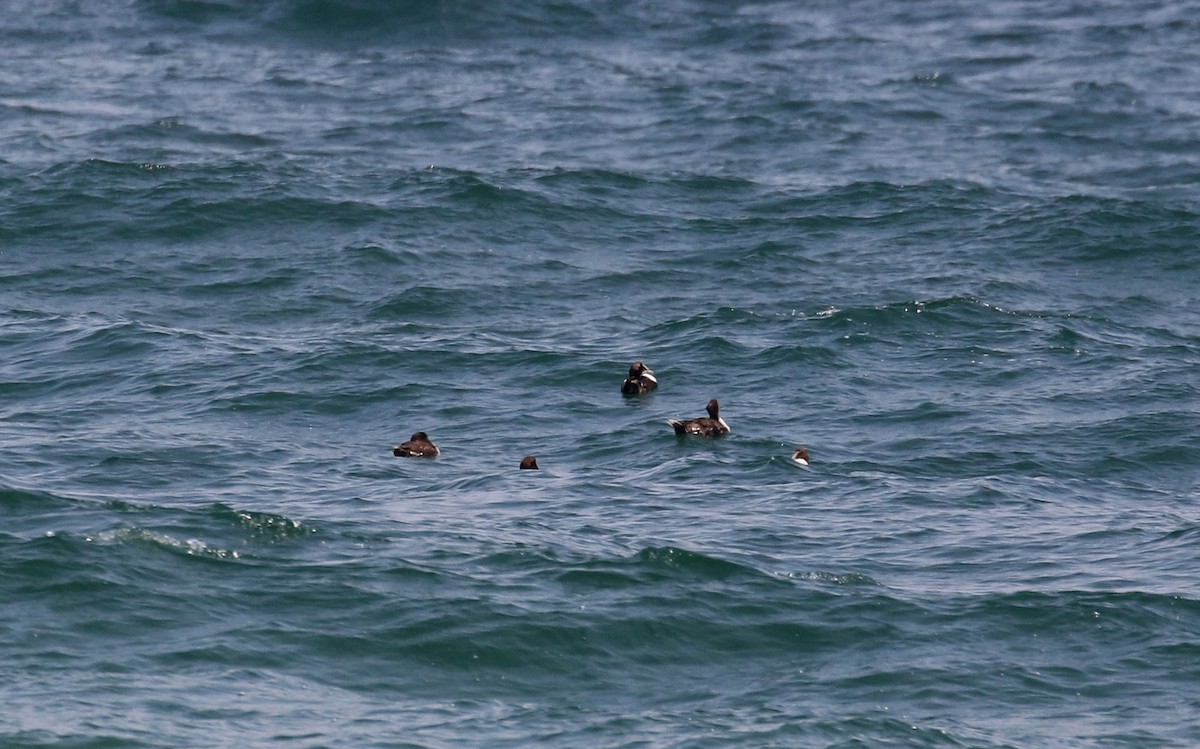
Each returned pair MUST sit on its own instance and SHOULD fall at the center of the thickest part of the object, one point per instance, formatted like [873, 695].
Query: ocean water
[951, 248]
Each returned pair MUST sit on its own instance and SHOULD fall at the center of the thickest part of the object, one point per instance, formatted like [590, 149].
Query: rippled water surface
[951, 249]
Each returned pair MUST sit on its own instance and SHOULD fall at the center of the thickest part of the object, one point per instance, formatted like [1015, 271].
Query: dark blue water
[952, 249]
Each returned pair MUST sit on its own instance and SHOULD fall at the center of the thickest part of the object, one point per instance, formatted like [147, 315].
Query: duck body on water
[641, 380]
[711, 426]
[418, 446]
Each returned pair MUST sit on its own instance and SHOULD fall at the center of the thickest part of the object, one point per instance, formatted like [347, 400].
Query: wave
[177, 202]
[1099, 230]
[336, 21]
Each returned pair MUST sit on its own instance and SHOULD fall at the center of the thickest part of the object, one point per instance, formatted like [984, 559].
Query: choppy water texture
[952, 248]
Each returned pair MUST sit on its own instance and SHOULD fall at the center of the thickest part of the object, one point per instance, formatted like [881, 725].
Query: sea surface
[952, 248]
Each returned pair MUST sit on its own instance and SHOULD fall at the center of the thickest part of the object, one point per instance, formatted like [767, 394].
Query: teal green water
[245, 250]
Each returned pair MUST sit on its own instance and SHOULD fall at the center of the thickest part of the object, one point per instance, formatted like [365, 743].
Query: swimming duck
[713, 426]
[417, 447]
[800, 456]
[640, 380]
[529, 462]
